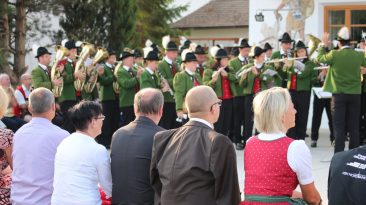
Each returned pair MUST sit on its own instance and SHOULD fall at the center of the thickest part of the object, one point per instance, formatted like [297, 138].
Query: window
[352, 16]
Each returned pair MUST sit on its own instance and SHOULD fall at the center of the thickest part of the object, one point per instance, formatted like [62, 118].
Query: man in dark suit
[194, 164]
[131, 151]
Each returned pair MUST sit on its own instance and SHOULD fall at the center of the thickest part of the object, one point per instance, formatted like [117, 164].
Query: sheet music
[318, 91]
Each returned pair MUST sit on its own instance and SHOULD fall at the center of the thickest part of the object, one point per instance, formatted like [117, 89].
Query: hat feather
[78, 43]
[344, 33]
[63, 42]
[165, 41]
[184, 54]
[148, 43]
[147, 50]
[35, 48]
[213, 51]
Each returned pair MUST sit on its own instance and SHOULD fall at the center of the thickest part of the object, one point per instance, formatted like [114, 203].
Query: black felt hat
[200, 50]
[111, 51]
[300, 45]
[286, 38]
[70, 44]
[244, 43]
[126, 53]
[234, 51]
[152, 56]
[221, 53]
[189, 57]
[42, 51]
[258, 51]
[267, 47]
[172, 46]
[137, 53]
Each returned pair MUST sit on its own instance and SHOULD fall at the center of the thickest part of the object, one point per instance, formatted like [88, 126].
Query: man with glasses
[194, 164]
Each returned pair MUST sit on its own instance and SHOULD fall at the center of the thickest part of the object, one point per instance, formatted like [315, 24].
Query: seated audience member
[346, 182]
[34, 152]
[131, 150]
[22, 94]
[275, 164]
[10, 118]
[6, 141]
[81, 163]
[194, 164]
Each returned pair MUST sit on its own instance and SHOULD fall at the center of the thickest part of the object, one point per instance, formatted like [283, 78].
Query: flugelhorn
[313, 44]
[115, 83]
[87, 50]
[92, 76]
[242, 71]
[166, 82]
[61, 53]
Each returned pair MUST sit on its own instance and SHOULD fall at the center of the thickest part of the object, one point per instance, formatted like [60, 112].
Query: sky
[192, 5]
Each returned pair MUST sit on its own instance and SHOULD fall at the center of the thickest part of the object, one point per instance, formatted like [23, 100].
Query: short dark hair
[83, 113]
[345, 42]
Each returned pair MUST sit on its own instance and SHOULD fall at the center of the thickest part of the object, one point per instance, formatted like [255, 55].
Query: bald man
[131, 150]
[194, 164]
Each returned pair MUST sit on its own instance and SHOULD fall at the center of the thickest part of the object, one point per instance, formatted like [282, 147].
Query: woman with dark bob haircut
[81, 163]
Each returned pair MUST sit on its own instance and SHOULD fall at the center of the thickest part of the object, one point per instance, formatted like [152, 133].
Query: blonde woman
[275, 164]
[6, 141]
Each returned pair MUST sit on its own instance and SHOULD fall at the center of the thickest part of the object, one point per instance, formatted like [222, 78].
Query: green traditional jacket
[204, 66]
[282, 75]
[106, 80]
[207, 80]
[127, 87]
[344, 74]
[235, 65]
[40, 78]
[165, 70]
[90, 96]
[266, 81]
[304, 79]
[182, 83]
[68, 91]
[148, 80]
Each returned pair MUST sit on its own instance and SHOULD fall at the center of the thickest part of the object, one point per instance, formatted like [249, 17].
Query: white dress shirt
[19, 96]
[202, 121]
[80, 164]
[169, 61]
[298, 157]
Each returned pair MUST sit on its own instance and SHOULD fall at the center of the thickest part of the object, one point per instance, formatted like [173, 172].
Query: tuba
[92, 75]
[313, 44]
[115, 83]
[87, 50]
[61, 53]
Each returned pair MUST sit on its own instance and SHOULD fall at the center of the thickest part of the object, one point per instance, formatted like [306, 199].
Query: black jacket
[130, 162]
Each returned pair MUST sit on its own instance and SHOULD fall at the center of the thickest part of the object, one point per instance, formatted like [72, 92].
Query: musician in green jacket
[201, 56]
[167, 68]
[185, 80]
[285, 52]
[129, 84]
[222, 79]
[68, 96]
[301, 76]
[41, 73]
[236, 64]
[109, 99]
[149, 78]
[344, 81]
[253, 80]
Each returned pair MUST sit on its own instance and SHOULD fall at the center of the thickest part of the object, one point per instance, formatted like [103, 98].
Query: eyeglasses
[102, 117]
[219, 103]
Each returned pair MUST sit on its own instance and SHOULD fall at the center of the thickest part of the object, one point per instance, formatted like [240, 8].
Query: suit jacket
[182, 83]
[40, 78]
[130, 162]
[106, 84]
[194, 165]
[344, 74]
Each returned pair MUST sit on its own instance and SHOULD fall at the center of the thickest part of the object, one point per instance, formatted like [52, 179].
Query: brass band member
[236, 64]
[149, 78]
[185, 80]
[69, 96]
[168, 68]
[285, 52]
[222, 79]
[109, 99]
[344, 81]
[301, 73]
[253, 81]
[201, 56]
[129, 85]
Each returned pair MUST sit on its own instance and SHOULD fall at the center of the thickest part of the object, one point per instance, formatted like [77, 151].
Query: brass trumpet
[61, 53]
[115, 83]
[163, 80]
[242, 71]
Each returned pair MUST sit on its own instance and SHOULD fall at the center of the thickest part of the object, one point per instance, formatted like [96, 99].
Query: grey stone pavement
[321, 157]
